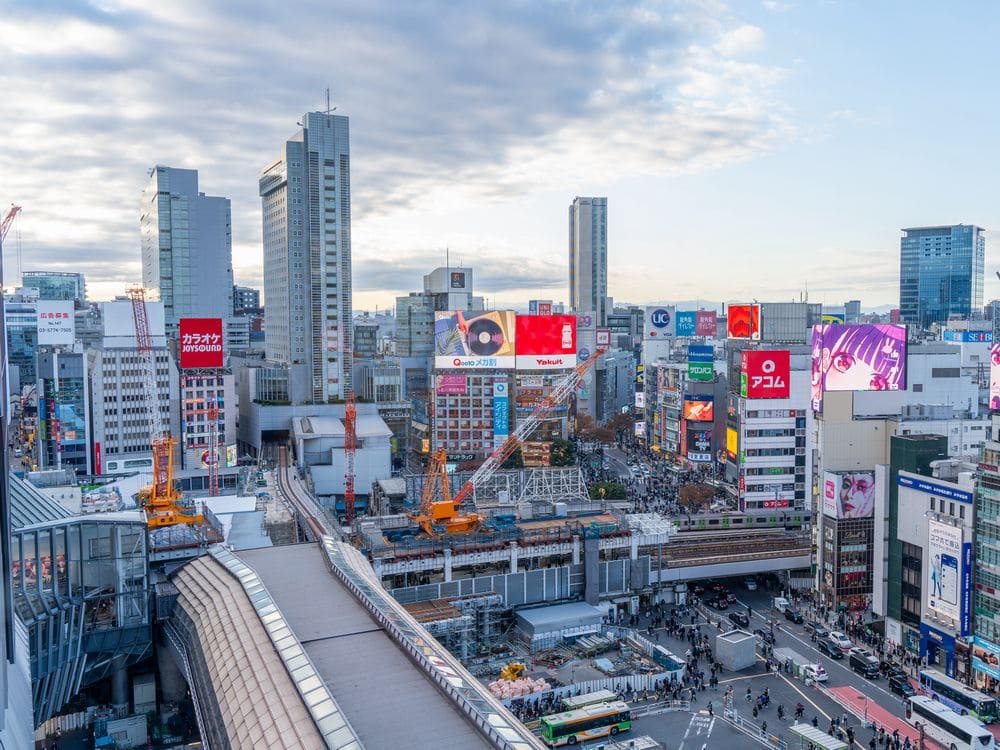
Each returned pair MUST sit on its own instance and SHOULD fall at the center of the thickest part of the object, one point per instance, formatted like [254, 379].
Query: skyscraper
[588, 257]
[187, 247]
[57, 285]
[306, 201]
[941, 272]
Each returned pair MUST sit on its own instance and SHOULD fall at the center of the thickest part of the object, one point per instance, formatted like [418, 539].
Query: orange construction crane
[444, 516]
[161, 500]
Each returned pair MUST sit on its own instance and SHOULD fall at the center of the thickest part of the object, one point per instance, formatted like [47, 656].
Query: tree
[607, 491]
[622, 423]
[515, 460]
[562, 453]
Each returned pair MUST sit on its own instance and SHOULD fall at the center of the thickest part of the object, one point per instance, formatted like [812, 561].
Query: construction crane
[214, 459]
[350, 449]
[8, 220]
[445, 515]
[161, 500]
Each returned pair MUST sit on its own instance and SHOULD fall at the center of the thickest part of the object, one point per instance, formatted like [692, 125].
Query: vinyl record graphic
[485, 337]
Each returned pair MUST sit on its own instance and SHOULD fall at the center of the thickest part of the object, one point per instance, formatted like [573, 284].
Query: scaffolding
[467, 626]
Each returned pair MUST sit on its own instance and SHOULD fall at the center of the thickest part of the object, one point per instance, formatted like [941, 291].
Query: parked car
[842, 641]
[750, 584]
[830, 648]
[816, 629]
[900, 685]
[864, 663]
[768, 637]
[814, 672]
[891, 669]
[794, 615]
[730, 597]
[739, 619]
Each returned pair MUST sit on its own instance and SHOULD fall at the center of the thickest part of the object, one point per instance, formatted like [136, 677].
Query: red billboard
[705, 323]
[743, 322]
[765, 374]
[201, 343]
[545, 342]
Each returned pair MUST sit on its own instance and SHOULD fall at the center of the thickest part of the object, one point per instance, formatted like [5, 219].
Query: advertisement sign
[706, 323]
[701, 363]
[743, 322]
[539, 307]
[464, 341]
[640, 399]
[501, 413]
[201, 343]
[661, 323]
[450, 385]
[986, 657]
[640, 430]
[699, 408]
[699, 445]
[97, 458]
[921, 484]
[732, 442]
[857, 358]
[969, 337]
[603, 339]
[765, 374]
[56, 323]
[457, 279]
[687, 323]
[995, 377]
[545, 342]
[833, 318]
[848, 494]
[944, 577]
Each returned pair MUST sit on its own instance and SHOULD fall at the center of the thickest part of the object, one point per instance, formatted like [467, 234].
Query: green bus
[587, 723]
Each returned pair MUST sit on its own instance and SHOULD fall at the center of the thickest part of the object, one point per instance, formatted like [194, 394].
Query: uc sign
[766, 373]
[660, 318]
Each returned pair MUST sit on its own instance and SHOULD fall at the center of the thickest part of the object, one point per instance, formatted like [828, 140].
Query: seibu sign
[201, 343]
[765, 374]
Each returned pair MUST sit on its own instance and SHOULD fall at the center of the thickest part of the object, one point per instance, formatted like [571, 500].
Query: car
[720, 603]
[698, 589]
[840, 640]
[717, 587]
[829, 648]
[739, 619]
[750, 584]
[731, 597]
[900, 685]
[814, 672]
[794, 615]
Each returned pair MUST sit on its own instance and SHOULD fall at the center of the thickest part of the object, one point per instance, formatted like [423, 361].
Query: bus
[957, 696]
[587, 723]
[572, 703]
[952, 730]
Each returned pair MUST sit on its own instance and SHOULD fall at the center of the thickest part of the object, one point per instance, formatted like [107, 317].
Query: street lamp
[865, 697]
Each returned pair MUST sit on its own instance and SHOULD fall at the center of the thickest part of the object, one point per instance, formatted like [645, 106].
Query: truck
[781, 604]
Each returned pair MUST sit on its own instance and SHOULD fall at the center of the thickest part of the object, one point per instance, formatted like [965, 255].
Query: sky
[748, 150]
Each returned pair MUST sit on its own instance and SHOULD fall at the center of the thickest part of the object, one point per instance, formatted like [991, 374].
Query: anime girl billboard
[995, 377]
[857, 358]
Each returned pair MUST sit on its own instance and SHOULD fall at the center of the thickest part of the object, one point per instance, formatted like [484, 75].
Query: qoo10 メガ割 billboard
[857, 358]
[545, 342]
[466, 341]
[201, 343]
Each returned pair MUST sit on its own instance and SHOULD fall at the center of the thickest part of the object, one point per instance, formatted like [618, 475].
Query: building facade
[588, 257]
[63, 411]
[21, 324]
[941, 273]
[245, 299]
[986, 598]
[57, 285]
[187, 247]
[306, 201]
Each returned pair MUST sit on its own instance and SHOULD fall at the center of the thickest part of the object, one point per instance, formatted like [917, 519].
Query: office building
[21, 324]
[986, 598]
[306, 201]
[200, 392]
[57, 285]
[445, 289]
[187, 247]
[941, 273]
[852, 309]
[245, 299]
[588, 257]
[63, 411]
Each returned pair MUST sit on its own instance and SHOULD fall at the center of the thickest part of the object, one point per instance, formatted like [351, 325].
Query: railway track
[316, 525]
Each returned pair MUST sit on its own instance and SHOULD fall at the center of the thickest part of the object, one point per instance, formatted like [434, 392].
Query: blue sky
[747, 149]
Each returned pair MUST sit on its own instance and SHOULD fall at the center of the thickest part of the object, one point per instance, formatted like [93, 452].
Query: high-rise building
[63, 411]
[306, 201]
[588, 257]
[245, 298]
[21, 324]
[986, 601]
[187, 247]
[57, 285]
[941, 273]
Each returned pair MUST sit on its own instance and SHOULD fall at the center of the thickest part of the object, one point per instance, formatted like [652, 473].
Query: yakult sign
[765, 374]
[201, 343]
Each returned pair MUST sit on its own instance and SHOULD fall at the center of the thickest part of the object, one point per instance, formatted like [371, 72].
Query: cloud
[450, 103]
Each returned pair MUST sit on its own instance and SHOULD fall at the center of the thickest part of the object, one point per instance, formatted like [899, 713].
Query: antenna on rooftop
[329, 109]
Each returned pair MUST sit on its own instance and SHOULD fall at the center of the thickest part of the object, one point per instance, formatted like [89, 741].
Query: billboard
[765, 374]
[686, 323]
[450, 385]
[640, 399]
[464, 341]
[701, 363]
[640, 430]
[457, 280]
[699, 408]
[699, 445]
[857, 358]
[969, 337]
[986, 657]
[545, 342]
[706, 323]
[944, 574]
[661, 323]
[833, 318]
[56, 323]
[603, 338]
[743, 322]
[995, 377]
[201, 343]
[849, 494]
[501, 413]
[732, 442]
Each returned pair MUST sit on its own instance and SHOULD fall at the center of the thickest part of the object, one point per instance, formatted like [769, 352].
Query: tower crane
[445, 515]
[214, 459]
[350, 449]
[161, 500]
[8, 219]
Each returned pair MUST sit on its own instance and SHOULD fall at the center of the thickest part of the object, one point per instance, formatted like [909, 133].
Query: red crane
[214, 459]
[350, 448]
[7, 221]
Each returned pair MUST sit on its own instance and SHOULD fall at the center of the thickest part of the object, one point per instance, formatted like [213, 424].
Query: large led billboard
[849, 494]
[732, 442]
[545, 342]
[201, 343]
[743, 322]
[699, 445]
[946, 569]
[661, 322]
[465, 341]
[857, 358]
[995, 377]
[699, 408]
[765, 374]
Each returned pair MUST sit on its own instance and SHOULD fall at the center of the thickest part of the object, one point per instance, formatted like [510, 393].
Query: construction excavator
[445, 516]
